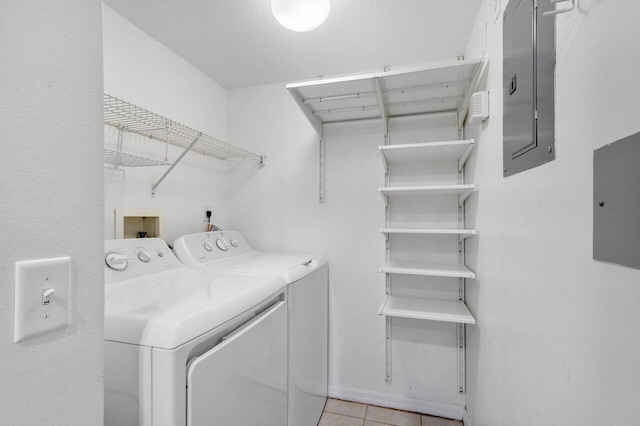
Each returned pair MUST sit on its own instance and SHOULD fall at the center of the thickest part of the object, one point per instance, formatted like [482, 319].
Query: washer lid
[291, 267]
[168, 309]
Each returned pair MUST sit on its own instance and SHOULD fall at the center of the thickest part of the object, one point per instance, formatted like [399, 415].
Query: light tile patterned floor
[346, 413]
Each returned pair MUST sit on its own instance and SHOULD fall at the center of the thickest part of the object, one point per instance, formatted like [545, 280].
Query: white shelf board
[465, 233]
[461, 191]
[427, 268]
[458, 150]
[427, 309]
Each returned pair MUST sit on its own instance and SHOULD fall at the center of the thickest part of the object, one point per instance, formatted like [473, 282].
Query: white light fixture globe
[301, 15]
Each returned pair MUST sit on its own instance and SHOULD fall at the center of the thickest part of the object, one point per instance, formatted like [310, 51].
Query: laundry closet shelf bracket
[175, 163]
[381, 104]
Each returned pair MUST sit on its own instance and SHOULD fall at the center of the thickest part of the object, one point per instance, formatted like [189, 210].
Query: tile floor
[346, 413]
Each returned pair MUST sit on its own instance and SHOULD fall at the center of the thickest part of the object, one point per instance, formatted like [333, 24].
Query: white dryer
[307, 278]
[187, 348]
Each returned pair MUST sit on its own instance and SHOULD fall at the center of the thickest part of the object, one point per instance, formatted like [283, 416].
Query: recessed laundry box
[138, 223]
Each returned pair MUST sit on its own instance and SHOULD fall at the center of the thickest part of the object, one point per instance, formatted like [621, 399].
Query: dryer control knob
[144, 256]
[233, 243]
[208, 246]
[222, 244]
[116, 261]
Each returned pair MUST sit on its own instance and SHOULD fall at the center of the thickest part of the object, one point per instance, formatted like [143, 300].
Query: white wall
[142, 71]
[557, 335]
[277, 209]
[51, 184]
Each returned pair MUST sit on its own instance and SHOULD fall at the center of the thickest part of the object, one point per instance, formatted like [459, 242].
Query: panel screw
[549, 149]
[601, 203]
[46, 315]
[504, 169]
[46, 278]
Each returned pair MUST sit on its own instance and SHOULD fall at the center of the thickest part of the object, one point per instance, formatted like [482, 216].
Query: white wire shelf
[430, 88]
[458, 150]
[433, 269]
[129, 160]
[427, 309]
[463, 233]
[132, 118]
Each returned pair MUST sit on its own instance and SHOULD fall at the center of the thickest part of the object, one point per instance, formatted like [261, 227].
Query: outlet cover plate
[33, 277]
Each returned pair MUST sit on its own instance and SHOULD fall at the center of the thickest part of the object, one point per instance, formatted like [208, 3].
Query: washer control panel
[130, 258]
[210, 246]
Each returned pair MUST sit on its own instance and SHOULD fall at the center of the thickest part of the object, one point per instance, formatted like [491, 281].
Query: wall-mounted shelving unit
[421, 90]
[128, 117]
[456, 154]
[432, 88]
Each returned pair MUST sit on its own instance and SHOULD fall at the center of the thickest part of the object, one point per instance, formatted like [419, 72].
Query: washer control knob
[222, 244]
[234, 243]
[144, 256]
[208, 246]
[116, 261]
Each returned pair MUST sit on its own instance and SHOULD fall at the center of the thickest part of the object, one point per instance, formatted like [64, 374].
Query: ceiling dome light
[301, 15]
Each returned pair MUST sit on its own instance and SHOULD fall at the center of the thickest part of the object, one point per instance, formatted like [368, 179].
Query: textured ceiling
[239, 43]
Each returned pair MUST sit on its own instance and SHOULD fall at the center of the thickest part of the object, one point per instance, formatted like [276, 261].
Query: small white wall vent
[479, 107]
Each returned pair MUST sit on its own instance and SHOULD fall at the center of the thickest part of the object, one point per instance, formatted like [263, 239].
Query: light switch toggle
[46, 295]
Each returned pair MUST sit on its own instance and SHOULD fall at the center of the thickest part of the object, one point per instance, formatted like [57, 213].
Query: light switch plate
[34, 281]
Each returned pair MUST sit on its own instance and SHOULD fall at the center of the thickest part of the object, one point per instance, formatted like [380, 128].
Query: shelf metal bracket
[121, 130]
[381, 105]
[155, 185]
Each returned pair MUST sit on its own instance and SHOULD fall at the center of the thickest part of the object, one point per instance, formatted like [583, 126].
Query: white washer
[307, 279]
[187, 348]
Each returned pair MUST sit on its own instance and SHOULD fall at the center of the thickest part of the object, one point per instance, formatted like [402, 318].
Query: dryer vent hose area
[210, 226]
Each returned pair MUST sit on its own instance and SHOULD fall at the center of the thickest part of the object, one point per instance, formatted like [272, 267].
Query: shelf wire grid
[122, 114]
[129, 160]
[416, 91]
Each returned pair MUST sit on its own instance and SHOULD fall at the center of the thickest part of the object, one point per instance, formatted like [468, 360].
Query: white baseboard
[465, 418]
[440, 409]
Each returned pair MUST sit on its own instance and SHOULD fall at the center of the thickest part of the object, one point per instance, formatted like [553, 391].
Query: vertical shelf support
[461, 328]
[387, 254]
[462, 361]
[321, 166]
[175, 163]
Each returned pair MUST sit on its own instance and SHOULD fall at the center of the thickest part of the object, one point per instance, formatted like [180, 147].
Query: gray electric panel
[528, 85]
[616, 202]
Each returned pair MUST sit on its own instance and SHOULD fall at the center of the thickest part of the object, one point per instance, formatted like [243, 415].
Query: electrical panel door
[616, 202]
[528, 85]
